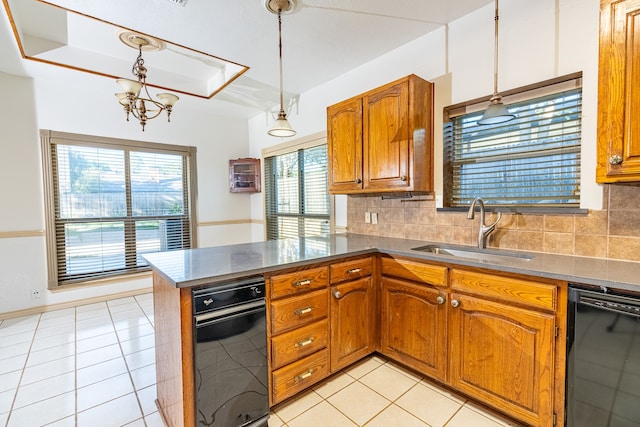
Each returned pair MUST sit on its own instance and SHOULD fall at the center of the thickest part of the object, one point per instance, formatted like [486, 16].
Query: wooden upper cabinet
[382, 140]
[619, 92]
[344, 136]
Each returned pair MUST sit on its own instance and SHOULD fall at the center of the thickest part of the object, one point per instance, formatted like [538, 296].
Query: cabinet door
[344, 145]
[414, 326]
[504, 356]
[386, 138]
[352, 322]
[619, 92]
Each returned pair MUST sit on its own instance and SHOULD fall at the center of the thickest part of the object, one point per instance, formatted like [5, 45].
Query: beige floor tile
[138, 344]
[274, 420]
[44, 412]
[147, 397]
[388, 382]
[154, 420]
[430, 406]
[292, 409]
[321, 415]
[92, 357]
[6, 398]
[333, 385]
[443, 391]
[362, 368]
[141, 358]
[396, 417]
[100, 372]
[359, 402]
[65, 422]
[9, 381]
[503, 421]
[116, 412]
[52, 353]
[45, 389]
[46, 370]
[466, 417]
[96, 342]
[144, 377]
[104, 391]
[404, 371]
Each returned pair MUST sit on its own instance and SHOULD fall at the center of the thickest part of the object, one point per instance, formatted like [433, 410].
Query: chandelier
[281, 127]
[141, 107]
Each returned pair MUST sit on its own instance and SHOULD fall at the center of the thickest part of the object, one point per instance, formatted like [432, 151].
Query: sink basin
[476, 254]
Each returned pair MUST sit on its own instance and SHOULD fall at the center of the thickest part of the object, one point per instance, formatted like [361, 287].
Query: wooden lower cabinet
[353, 321]
[503, 356]
[414, 326]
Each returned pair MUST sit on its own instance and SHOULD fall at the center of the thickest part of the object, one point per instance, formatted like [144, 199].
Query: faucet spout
[484, 230]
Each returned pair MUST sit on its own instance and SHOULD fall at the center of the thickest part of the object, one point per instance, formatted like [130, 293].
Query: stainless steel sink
[477, 254]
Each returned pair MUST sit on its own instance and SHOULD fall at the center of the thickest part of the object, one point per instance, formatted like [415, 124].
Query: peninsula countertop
[210, 265]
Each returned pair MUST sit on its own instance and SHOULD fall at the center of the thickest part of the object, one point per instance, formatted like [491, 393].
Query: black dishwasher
[603, 358]
[231, 376]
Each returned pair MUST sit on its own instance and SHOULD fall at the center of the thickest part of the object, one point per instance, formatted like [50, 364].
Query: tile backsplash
[613, 232]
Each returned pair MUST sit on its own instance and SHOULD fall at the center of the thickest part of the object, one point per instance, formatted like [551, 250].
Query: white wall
[70, 101]
[539, 40]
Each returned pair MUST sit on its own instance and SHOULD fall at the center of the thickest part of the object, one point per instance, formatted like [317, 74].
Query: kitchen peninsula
[412, 289]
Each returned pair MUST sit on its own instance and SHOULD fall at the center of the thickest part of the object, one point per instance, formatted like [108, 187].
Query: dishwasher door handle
[226, 312]
[616, 307]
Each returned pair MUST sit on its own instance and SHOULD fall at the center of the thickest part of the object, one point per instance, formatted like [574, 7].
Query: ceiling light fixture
[496, 112]
[281, 128]
[142, 108]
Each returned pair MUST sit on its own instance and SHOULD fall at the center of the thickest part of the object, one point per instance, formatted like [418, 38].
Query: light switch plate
[374, 218]
[367, 217]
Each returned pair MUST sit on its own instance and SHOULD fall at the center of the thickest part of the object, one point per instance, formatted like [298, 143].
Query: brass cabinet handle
[440, 300]
[455, 303]
[615, 160]
[403, 178]
[301, 311]
[305, 343]
[303, 376]
[299, 283]
[358, 181]
[354, 270]
[337, 294]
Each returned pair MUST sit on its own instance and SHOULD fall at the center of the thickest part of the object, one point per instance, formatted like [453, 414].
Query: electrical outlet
[35, 293]
[374, 218]
[367, 217]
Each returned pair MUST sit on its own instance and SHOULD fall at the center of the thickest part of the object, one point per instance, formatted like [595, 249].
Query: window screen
[111, 203]
[533, 160]
[296, 194]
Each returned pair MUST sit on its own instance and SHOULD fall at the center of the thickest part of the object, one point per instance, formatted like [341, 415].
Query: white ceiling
[322, 39]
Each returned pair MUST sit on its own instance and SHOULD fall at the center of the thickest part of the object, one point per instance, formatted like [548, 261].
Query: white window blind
[296, 194]
[533, 160]
[112, 202]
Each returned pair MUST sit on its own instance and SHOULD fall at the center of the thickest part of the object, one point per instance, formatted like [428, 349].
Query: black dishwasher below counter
[603, 358]
[231, 373]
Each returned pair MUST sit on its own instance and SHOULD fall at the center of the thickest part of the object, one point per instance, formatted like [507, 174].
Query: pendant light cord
[495, 55]
[280, 47]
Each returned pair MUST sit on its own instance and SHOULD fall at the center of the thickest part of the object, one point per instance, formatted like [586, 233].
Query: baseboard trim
[69, 304]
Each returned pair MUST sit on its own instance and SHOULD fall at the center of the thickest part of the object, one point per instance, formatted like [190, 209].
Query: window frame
[311, 141]
[49, 138]
[524, 93]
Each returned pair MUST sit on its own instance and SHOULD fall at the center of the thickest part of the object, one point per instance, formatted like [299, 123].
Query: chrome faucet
[485, 230]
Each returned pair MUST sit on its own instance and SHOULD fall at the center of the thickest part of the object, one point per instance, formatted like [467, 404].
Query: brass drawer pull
[306, 342]
[301, 283]
[301, 311]
[354, 270]
[304, 375]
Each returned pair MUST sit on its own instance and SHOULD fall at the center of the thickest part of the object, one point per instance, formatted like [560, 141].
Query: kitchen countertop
[194, 267]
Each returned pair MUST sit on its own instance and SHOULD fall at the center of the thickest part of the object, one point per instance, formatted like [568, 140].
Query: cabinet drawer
[301, 342]
[299, 375]
[299, 281]
[526, 292]
[349, 270]
[291, 313]
[414, 270]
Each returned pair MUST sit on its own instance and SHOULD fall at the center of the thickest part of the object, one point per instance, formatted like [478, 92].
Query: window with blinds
[112, 201]
[532, 161]
[296, 194]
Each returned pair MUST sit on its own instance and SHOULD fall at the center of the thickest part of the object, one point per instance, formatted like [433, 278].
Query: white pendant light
[496, 112]
[281, 128]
